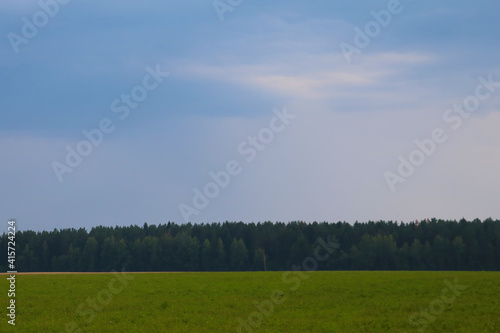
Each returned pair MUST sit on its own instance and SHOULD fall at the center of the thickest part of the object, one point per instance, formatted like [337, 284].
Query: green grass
[213, 302]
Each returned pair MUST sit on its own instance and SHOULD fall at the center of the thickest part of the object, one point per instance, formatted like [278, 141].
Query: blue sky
[352, 120]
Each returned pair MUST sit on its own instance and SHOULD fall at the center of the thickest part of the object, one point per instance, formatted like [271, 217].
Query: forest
[430, 244]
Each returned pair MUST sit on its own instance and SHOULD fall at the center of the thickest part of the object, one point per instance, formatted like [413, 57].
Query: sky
[119, 113]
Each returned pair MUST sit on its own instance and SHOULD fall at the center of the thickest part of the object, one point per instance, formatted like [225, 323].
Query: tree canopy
[236, 246]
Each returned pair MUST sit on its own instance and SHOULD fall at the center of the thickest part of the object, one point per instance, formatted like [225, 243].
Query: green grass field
[265, 301]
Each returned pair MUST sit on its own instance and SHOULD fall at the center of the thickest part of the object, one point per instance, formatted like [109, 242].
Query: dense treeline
[426, 245]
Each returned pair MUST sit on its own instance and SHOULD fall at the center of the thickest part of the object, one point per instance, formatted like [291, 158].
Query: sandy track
[64, 273]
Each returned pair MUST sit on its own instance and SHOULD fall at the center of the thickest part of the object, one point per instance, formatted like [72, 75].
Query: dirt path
[61, 273]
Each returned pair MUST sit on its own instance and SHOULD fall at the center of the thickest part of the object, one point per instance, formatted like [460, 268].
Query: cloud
[226, 77]
[325, 166]
[322, 76]
[462, 179]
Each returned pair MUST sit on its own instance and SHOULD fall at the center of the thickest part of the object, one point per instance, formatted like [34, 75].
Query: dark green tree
[239, 254]
[90, 255]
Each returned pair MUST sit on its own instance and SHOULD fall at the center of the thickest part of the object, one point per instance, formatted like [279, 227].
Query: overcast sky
[310, 109]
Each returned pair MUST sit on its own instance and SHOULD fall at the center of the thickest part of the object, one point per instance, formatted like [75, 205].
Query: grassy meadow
[361, 301]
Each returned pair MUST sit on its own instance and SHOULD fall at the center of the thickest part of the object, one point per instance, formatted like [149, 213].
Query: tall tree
[90, 255]
[239, 254]
[206, 255]
[220, 256]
